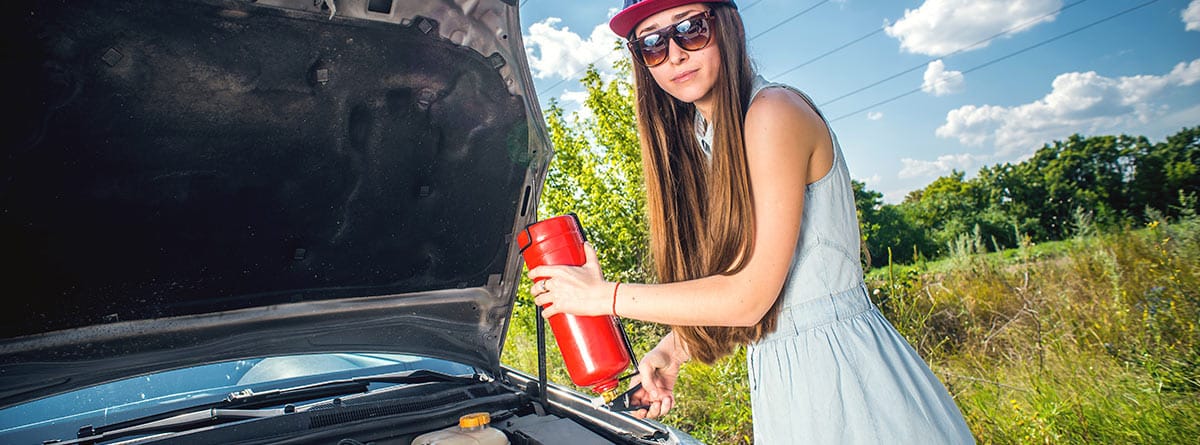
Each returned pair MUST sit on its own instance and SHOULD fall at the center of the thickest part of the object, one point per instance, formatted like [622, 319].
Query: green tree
[952, 207]
[1082, 173]
[1014, 196]
[597, 174]
[1106, 180]
[1165, 172]
[886, 226]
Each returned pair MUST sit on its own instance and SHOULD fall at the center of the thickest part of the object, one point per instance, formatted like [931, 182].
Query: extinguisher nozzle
[597, 402]
[605, 397]
[619, 402]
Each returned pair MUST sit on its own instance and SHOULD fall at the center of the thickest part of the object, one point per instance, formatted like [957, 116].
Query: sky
[917, 89]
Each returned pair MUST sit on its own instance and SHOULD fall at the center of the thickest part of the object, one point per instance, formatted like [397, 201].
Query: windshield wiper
[88, 435]
[247, 404]
[249, 399]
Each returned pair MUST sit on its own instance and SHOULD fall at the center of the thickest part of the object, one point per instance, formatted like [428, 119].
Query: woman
[755, 241]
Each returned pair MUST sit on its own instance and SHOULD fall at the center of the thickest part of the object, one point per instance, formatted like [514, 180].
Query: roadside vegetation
[1089, 340]
[1057, 298]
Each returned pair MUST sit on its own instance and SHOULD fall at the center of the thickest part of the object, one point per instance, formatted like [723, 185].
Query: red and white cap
[635, 11]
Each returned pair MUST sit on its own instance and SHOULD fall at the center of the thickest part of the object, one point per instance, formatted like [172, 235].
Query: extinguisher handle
[582, 233]
[624, 401]
[528, 238]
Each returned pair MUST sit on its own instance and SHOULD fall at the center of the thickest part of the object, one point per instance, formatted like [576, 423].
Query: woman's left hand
[578, 290]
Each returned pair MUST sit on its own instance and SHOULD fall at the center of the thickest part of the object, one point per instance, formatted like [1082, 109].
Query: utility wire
[1004, 57]
[814, 59]
[572, 76]
[798, 14]
[955, 52]
[751, 5]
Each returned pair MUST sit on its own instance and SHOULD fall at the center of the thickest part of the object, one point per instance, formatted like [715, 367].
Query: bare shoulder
[781, 126]
[782, 108]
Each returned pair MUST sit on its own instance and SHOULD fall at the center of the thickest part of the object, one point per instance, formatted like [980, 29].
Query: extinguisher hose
[628, 347]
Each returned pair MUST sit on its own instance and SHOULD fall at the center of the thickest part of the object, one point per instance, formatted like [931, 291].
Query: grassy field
[1090, 340]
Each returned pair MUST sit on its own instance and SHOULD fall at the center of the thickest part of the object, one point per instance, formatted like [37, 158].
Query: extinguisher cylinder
[592, 347]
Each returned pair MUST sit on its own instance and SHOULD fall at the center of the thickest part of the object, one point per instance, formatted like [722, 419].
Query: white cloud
[1191, 16]
[573, 96]
[559, 52]
[874, 115]
[940, 82]
[914, 168]
[1086, 103]
[941, 27]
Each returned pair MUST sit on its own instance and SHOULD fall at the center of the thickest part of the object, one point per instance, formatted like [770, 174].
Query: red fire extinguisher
[594, 349]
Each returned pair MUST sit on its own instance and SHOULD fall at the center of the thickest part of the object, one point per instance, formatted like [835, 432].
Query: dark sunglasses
[692, 34]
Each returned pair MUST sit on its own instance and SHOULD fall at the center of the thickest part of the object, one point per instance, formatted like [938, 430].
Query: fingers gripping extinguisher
[595, 349]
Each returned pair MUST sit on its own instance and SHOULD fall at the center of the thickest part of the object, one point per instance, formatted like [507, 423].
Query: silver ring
[546, 285]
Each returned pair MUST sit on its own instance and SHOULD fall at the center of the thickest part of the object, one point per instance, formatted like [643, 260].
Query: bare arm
[782, 135]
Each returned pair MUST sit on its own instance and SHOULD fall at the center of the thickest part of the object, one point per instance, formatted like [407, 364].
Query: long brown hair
[701, 213]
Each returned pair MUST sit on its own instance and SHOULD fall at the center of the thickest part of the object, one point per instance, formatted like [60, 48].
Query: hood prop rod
[541, 347]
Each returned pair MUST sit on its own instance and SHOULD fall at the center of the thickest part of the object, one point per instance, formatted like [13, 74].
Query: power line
[798, 14]
[1004, 57]
[955, 52]
[814, 59]
[751, 5]
[572, 76]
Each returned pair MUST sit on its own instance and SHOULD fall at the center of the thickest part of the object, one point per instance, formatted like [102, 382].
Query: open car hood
[193, 181]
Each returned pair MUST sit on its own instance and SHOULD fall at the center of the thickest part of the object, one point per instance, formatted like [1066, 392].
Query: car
[272, 221]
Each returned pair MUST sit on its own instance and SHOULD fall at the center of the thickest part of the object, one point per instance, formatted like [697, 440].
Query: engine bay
[399, 415]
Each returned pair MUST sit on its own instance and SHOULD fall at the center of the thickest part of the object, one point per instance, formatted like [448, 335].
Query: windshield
[61, 416]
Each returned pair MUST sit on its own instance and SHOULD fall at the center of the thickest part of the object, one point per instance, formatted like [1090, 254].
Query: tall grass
[1090, 340]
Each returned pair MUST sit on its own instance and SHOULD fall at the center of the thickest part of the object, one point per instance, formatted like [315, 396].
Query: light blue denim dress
[835, 371]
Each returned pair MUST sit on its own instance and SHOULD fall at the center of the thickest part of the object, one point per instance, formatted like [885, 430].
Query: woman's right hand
[657, 372]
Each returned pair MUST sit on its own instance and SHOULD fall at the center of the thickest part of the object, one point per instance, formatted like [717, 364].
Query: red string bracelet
[614, 305]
